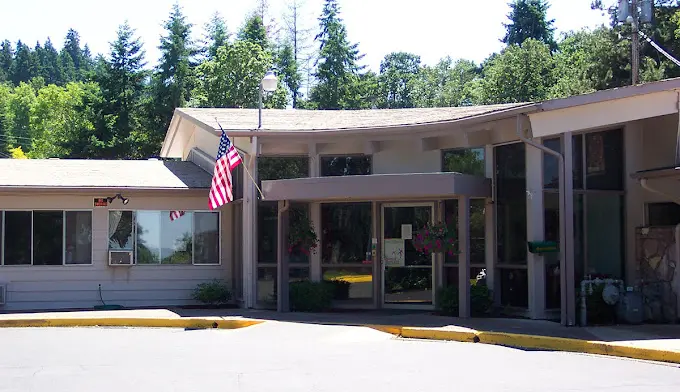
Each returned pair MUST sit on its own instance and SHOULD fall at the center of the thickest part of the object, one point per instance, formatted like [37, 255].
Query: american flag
[176, 215]
[227, 159]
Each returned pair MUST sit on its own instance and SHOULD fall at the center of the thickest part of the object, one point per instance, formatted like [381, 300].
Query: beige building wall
[403, 157]
[76, 286]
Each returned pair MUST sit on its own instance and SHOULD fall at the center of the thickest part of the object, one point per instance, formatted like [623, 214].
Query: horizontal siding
[76, 286]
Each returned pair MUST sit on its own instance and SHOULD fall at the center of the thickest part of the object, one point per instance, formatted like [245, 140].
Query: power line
[660, 49]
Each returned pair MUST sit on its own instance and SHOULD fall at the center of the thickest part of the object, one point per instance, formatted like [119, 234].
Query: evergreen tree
[6, 60]
[72, 47]
[50, 69]
[25, 66]
[173, 79]
[289, 71]
[528, 19]
[217, 35]
[337, 62]
[68, 69]
[121, 78]
[253, 31]
[298, 37]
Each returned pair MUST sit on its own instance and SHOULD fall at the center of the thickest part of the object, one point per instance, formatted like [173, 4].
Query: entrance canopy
[378, 187]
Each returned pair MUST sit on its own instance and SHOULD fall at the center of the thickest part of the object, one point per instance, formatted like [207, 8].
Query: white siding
[406, 157]
[60, 287]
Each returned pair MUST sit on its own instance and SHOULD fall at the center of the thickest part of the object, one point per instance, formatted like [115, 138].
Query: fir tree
[528, 19]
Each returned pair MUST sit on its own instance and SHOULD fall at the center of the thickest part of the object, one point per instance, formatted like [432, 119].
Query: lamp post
[268, 84]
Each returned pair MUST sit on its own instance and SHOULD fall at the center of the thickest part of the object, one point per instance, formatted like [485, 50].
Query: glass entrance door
[407, 279]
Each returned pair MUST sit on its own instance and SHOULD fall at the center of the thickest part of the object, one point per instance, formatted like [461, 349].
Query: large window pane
[78, 237]
[17, 237]
[266, 286]
[353, 285]
[577, 159]
[298, 217]
[663, 214]
[176, 238]
[604, 228]
[2, 224]
[346, 233]
[466, 161]
[551, 167]
[282, 168]
[267, 227]
[207, 237]
[148, 237]
[346, 166]
[604, 160]
[121, 230]
[511, 203]
[48, 237]
[477, 229]
[514, 287]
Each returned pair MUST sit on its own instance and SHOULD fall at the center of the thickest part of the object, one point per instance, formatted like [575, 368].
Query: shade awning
[378, 187]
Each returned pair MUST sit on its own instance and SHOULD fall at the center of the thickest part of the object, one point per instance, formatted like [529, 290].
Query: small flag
[227, 159]
[176, 215]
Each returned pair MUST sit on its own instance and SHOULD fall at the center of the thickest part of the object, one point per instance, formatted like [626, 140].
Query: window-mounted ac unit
[3, 294]
[121, 258]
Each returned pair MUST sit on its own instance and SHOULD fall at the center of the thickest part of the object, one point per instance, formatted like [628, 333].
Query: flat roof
[81, 173]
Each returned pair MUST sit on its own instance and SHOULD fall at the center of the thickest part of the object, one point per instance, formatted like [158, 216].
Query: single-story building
[366, 180]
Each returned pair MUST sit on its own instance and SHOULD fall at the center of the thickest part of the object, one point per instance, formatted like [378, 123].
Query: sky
[433, 29]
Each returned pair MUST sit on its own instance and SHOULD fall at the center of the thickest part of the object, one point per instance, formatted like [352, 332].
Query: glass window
[511, 206]
[207, 237]
[577, 158]
[604, 233]
[282, 168]
[298, 215]
[466, 161]
[346, 233]
[477, 229]
[267, 228]
[176, 238]
[121, 230]
[266, 286]
[351, 284]
[663, 214]
[551, 165]
[604, 160]
[48, 237]
[18, 237]
[346, 166]
[148, 241]
[78, 237]
[514, 287]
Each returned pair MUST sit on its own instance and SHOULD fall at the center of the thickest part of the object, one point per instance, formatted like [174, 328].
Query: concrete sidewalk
[651, 342]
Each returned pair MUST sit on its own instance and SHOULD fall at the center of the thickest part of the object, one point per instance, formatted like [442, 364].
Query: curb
[538, 342]
[196, 323]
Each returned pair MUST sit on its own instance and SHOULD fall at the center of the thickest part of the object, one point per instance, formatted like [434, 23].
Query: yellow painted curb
[437, 334]
[130, 322]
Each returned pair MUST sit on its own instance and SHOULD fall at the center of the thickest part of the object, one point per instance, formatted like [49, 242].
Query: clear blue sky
[464, 28]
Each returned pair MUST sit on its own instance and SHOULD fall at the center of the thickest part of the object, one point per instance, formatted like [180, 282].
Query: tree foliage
[529, 19]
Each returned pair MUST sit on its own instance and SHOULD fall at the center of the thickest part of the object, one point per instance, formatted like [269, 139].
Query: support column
[249, 205]
[535, 230]
[282, 270]
[316, 274]
[568, 310]
[464, 257]
[490, 228]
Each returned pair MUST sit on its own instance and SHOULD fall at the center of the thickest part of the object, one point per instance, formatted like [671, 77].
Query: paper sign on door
[407, 232]
[393, 252]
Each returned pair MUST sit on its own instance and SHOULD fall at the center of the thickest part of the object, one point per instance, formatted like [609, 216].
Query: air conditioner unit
[3, 294]
[121, 258]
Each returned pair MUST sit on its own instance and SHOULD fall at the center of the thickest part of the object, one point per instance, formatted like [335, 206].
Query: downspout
[565, 301]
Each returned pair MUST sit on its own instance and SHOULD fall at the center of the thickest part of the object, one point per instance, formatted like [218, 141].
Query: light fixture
[125, 200]
[270, 81]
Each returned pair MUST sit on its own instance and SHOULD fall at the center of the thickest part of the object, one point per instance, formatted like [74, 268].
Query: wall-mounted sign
[101, 202]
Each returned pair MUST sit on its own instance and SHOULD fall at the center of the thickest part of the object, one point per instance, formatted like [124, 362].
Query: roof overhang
[672, 172]
[378, 187]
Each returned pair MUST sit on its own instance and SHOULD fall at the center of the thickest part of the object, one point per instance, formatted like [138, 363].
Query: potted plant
[436, 238]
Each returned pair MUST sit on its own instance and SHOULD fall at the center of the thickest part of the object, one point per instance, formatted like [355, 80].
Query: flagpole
[245, 166]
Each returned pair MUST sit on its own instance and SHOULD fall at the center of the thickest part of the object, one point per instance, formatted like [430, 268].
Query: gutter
[565, 300]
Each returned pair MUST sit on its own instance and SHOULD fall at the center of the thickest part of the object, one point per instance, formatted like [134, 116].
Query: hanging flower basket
[302, 236]
[436, 238]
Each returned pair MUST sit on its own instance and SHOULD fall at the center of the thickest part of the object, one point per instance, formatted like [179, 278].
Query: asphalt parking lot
[278, 356]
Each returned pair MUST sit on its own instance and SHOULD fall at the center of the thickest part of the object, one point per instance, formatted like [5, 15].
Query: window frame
[193, 234]
[63, 238]
[443, 152]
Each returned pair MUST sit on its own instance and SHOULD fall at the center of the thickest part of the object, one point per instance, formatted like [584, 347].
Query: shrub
[306, 296]
[340, 288]
[480, 300]
[212, 293]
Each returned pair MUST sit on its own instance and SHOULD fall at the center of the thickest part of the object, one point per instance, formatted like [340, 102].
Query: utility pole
[635, 43]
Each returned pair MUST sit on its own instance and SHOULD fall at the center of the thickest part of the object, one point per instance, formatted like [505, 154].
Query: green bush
[306, 296]
[481, 300]
[340, 288]
[215, 292]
